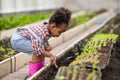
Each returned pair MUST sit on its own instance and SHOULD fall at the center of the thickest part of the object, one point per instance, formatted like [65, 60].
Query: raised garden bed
[97, 51]
[92, 58]
[112, 70]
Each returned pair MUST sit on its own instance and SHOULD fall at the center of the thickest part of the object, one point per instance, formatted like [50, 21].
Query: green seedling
[2, 49]
[90, 52]
[5, 56]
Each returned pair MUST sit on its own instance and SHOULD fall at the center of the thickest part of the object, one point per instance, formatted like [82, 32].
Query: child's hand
[51, 57]
[53, 60]
[48, 47]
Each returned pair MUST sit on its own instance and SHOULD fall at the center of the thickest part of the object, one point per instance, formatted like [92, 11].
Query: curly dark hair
[61, 15]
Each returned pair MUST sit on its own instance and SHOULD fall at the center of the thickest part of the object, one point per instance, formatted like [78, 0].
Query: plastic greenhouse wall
[16, 6]
[92, 5]
[13, 6]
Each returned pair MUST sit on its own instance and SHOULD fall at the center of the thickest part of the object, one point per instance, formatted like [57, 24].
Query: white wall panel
[48, 4]
[31, 4]
[91, 5]
[20, 5]
[7, 6]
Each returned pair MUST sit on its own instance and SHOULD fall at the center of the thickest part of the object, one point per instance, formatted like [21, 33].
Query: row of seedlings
[93, 59]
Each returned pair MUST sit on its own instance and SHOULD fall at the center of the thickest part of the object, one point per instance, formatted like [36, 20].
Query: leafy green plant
[2, 49]
[90, 53]
[81, 19]
[9, 54]
[61, 78]
[5, 56]
[92, 76]
[14, 21]
[23, 19]
[78, 73]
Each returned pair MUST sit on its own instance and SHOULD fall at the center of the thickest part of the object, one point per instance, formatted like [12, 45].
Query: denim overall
[23, 44]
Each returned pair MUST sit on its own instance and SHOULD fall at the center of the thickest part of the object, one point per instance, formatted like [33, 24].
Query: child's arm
[47, 54]
[51, 57]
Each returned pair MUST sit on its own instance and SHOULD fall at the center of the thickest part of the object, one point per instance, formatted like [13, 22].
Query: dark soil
[105, 54]
[112, 71]
[48, 74]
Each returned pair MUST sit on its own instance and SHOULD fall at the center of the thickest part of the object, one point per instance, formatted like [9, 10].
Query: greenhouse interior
[59, 39]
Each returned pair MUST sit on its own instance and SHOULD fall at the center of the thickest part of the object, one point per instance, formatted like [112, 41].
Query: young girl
[34, 39]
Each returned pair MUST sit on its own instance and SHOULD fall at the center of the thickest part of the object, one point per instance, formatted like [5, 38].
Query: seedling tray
[77, 73]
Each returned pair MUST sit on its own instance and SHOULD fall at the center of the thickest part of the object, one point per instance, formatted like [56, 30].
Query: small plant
[5, 56]
[2, 49]
[20, 20]
[9, 54]
[78, 73]
[81, 19]
[90, 53]
[92, 76]
[6, 53]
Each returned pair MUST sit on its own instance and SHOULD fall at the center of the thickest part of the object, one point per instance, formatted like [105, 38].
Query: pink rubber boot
[34, 67]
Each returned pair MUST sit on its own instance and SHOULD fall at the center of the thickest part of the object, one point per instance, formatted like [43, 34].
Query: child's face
[56, 31]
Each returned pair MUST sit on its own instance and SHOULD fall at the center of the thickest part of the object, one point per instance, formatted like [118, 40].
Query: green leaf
[2, 49]
[5, 56]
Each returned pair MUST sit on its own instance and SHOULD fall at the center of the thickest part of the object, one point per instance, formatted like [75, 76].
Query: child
[34, 39]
